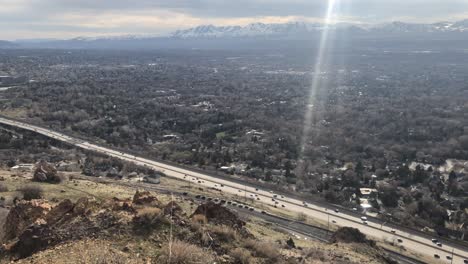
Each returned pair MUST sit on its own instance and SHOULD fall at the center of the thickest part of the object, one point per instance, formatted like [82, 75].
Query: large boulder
[45, 172]
[218, 214]
[36, 237]
[172, 208]
[23, 214]
[61, 211]
[117, 204]
[85, 206]
[145, 198]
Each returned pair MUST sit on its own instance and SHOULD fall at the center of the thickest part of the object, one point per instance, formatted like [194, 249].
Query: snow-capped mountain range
[294, 28]
[259, 34]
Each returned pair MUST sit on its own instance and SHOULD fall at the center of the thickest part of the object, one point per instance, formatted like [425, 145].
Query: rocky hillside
[77, 221]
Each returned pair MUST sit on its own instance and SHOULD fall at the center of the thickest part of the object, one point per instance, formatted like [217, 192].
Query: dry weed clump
[263, 249]
[241, 256]
[149, 217]
[180, 252]
[199, 218]
[31, 192]
[225, 233]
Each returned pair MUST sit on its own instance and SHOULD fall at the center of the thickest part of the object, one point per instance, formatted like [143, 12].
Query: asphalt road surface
[411, 241]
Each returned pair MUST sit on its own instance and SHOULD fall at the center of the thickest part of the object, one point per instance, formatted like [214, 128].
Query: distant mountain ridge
[295, 28]
[7, 44]
[256, 35]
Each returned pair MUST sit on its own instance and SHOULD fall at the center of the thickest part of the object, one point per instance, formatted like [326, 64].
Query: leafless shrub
[149, 217]
[263, 249]
[316, 254]
[301, 217]
[180, 252]
[30, 192]
[241, 256]
[225, 233]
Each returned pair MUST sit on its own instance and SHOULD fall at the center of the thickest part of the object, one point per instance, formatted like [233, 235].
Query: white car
[363, 218]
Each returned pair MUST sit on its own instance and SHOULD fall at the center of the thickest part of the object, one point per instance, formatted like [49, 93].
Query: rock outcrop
[219, 215]
[145, 198]
[24, 214]
[45, 172]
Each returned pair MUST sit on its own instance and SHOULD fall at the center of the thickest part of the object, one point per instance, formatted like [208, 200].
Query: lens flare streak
[318, 82]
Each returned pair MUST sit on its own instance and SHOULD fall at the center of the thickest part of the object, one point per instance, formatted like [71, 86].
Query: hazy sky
[71, 18]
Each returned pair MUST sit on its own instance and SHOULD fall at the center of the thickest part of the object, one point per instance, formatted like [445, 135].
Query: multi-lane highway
[411, 241]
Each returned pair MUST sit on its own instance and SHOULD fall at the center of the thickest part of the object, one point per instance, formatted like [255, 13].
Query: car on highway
[439, 244]
[465, 261]
[436, 256]
[448, 257]
[333, 221]
[263, 212]
[198, 196]
[251, 209]
[364, 222]
[363, 218]
[256, 189]
[434, 240]
[337, 211]
[399, 240]
[393, 231]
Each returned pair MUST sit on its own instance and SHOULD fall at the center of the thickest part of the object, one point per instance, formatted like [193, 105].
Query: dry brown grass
[149, 217]
[225, 233]
[241, 256]
[102, 255]
[263, 249]
[180, 252]
[198, 218]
